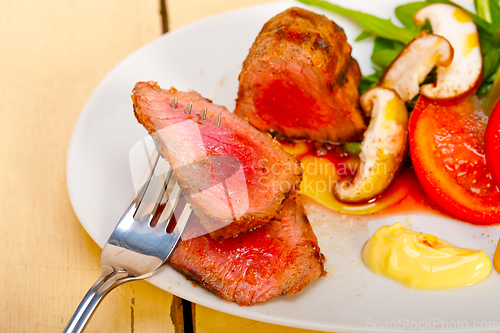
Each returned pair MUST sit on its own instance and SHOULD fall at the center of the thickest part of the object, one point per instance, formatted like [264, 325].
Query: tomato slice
[447, 151]
[492, 144]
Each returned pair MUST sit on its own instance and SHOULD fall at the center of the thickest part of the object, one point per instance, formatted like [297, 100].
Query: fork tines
[159, 196]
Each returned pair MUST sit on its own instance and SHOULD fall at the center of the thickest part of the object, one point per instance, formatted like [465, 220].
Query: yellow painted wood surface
[182, 12]
[211, 321]
[53, 53]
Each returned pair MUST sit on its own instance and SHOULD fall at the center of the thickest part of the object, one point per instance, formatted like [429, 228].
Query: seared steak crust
[300, 81]
[281, 257]
[237, 177]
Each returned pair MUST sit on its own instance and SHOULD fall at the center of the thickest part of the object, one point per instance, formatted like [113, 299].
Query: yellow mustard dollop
[423, 261]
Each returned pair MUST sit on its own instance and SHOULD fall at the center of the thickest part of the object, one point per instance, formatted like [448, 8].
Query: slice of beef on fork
[236, 177]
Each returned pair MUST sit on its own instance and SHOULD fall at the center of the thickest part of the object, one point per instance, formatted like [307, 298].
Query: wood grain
[211, 321]
[182, 12]
[53, 55]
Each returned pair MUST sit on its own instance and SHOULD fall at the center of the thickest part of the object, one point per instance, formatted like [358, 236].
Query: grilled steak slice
[281, 257]
[236, 177]
[300, 81]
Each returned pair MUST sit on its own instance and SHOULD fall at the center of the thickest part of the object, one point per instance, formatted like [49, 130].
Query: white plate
[206, 56]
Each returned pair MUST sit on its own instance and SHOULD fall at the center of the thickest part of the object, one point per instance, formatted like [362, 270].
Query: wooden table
[53, 53]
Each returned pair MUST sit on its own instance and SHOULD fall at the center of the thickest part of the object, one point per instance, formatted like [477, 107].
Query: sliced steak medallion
[281, 257]
[300, 81]
[236, 177]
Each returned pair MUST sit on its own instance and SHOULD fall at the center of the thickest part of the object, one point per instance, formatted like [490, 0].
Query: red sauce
[346, 164]
[415, 200]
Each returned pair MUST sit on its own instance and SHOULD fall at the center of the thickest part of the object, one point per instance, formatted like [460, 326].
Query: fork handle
[109, 279]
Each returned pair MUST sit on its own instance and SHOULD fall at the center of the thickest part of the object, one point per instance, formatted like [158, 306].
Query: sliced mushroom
[465, 72]
[415, 62]
[383, 147]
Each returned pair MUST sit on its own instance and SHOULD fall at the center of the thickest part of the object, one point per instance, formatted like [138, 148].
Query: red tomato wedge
[447, 151]
[492, 144]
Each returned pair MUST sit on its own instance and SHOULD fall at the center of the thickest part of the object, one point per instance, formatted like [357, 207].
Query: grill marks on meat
[281, 257]
[237, 178]
[300, 81]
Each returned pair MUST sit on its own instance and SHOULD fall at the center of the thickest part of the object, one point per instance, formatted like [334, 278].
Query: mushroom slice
[415, 62]
[465, 72]
[383, 147]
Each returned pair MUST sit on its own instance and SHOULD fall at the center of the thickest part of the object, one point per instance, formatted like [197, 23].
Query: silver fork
[142, 241]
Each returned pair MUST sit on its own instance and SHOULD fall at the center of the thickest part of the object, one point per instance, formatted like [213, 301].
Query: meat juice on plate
[325, 164]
